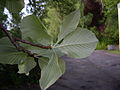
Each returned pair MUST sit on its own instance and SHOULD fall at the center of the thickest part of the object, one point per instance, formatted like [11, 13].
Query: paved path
[100, 71]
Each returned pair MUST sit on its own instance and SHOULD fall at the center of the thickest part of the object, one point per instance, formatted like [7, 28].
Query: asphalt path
[100, 71]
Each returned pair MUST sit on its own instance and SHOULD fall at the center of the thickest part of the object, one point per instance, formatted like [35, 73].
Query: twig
[32, 44]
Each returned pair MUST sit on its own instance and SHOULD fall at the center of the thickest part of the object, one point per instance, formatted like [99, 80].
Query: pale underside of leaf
[27, 65]
[9, 54]
[43, 62]
[78, 44]
[51, 71]
[12, 57]
[32, 27]
[69, 24]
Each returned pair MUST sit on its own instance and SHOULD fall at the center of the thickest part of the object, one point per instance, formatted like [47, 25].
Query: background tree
[111, 21]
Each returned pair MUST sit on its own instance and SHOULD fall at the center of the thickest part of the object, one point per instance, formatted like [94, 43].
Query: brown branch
[32, 44]
[17, 46]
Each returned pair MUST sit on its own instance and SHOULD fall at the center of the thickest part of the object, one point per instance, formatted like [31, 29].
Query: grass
[114, 52]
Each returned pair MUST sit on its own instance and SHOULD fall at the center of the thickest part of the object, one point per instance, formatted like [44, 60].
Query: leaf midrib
[73, 44]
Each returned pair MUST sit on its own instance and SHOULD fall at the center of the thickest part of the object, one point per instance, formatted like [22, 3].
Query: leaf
[62, 65]
[4, 41]
[1, 34]
[14, 6]
[42, 52]
[32, 27]
[51, 72]
[45, 52]
[43, 62]
[27, 65]
[9, 57]
[69, 24]
[78, 44]
[9, 54]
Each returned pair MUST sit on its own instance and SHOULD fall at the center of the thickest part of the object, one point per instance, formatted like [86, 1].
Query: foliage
[37, 46]
[73, 41]
[9, 76]
[110, 34]
[101, 46]
[86, 20]
[111, 15]
[35, 29]
[53, 22]
[65, 6]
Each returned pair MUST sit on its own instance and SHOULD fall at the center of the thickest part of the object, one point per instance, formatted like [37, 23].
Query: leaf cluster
[37, 46]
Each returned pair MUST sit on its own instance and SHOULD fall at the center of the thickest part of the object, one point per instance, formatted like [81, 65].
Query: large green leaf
[14, 6]
[69, 24]
[51, 71]
[78, 44]
[32, 27]
[9, 54]
[27, 65]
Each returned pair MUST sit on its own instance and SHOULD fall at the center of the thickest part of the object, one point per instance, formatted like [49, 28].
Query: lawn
[114, 52]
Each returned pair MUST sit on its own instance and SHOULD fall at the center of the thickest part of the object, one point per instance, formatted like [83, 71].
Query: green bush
[101, 46]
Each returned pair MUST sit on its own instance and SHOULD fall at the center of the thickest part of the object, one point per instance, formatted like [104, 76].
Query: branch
[9, 37]
[32, 44]
[17, 46]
